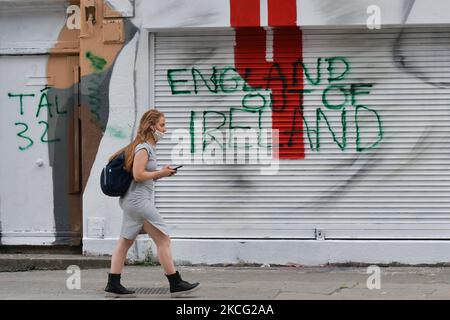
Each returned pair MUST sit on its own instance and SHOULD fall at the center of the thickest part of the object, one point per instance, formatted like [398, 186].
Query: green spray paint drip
[192, 131]
[98, 63]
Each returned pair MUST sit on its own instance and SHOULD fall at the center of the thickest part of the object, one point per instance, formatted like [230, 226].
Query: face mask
[158, 135]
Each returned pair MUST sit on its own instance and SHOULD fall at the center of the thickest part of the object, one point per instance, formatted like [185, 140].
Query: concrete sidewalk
[239, 283]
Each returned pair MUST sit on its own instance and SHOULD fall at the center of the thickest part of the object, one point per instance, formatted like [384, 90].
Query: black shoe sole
[182, 293]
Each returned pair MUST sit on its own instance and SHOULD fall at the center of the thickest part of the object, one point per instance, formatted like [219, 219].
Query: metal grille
[390, 179]
[155, 291]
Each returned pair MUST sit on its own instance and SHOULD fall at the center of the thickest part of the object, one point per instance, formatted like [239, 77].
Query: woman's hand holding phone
[167, 171]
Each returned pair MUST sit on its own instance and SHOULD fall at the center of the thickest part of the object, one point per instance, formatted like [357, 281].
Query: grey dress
[138, 203]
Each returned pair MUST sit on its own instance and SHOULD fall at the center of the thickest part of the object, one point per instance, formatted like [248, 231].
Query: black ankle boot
[115, 290]
[180, 287]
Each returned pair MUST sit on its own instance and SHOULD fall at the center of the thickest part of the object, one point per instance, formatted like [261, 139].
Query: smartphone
[176, 168]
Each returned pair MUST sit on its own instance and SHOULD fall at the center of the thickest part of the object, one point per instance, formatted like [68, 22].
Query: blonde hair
[145, 133]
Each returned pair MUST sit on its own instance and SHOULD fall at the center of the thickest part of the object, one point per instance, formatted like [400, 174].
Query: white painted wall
[121, 117]
[285, 252]
[186, 14]
[129, 99]
[26, 189]
[30, 27]
[310, 13]
[310, 252]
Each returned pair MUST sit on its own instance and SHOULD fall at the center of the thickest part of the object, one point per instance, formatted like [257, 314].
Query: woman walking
[139, 212]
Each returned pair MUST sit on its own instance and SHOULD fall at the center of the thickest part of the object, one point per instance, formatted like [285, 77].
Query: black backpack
[114, 180]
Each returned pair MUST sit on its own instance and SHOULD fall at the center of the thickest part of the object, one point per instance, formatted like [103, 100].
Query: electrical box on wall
[113, 31]
[96, 228]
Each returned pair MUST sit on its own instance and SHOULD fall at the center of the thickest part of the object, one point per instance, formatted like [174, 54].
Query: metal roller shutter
[396, 188]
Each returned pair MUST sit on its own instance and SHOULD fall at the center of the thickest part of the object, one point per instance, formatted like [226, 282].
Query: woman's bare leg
[162, 242]
[119, 255]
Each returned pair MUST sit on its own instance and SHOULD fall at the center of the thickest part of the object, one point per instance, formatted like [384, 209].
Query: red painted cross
[281, 76]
